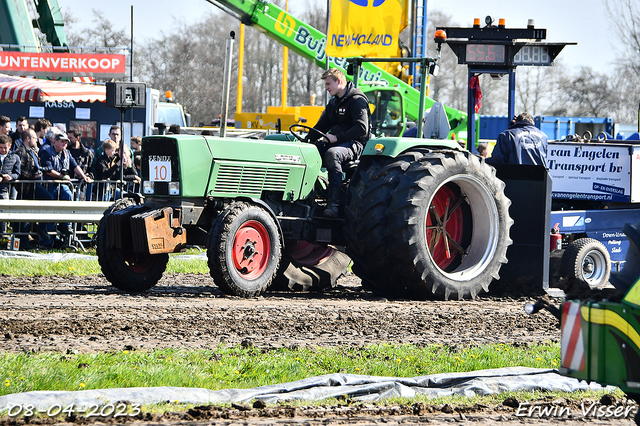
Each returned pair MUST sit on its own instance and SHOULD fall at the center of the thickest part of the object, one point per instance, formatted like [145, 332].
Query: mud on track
[86, 314]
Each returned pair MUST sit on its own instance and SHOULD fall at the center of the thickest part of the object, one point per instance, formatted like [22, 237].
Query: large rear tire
[366, 230]
[244, 250]
[449, 226]
[126, 270]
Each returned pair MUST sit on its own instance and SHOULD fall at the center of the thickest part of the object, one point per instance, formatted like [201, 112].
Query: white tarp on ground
[357, 387]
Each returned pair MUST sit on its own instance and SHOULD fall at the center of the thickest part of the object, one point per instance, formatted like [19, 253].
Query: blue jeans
[61, 192]
[38, 192]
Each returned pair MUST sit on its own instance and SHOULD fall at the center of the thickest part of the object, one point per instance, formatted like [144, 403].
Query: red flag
[474, 83]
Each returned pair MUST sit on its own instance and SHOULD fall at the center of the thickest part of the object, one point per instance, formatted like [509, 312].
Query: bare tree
[304, 75]
[591, 94]
[190, 61]
[625, 17]
[450, 85]
[100, 34]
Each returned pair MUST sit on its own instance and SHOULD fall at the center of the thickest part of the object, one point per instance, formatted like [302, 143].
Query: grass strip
[238, 367]
[83, 267]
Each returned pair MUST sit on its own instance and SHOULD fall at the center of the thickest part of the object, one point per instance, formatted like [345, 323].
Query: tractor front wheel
[244, 250]
[124, 269]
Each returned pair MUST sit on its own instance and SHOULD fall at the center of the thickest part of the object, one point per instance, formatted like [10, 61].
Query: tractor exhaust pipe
[226, 85]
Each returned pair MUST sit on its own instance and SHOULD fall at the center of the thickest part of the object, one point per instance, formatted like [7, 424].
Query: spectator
[41, 127]
[9, 171]
[108, 168]
[51, 133]
[91, 146]
[483, 150]
[115, 136]
[30, 170]
[21, 125]
[84, 159]
[5, 125]
[61, 127]
[207, 133]
[175, 129]
[82, 155]
[136, 147]
[58, 160]
[521, 143]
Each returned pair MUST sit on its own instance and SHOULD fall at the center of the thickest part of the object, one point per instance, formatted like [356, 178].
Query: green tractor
[600, 327]
[421, 218]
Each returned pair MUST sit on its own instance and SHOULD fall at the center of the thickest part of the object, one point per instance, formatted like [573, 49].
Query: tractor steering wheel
[310, 130]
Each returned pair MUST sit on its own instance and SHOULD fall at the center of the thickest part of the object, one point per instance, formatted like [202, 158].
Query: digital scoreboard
[485, 53]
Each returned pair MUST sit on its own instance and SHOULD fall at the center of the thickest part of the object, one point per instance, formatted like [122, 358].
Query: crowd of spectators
[45, 162]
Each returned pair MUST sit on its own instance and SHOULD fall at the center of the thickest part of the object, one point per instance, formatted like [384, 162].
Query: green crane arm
[17, 26]
[310, 43]
[51, 23]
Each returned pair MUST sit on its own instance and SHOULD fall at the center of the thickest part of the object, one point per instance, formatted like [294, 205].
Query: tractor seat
[349, 169]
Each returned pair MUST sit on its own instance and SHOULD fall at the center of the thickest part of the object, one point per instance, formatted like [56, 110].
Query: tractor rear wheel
[124, 269]
[449, 226]
[366, 230]
[244, 250]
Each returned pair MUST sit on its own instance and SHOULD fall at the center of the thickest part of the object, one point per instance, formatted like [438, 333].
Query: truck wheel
[310, 267]
[126, 270]
[366, 228]
[586, 260]
[449, 226]
[244, 250]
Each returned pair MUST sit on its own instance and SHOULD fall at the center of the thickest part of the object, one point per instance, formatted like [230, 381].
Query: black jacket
[521, 143]
[10, 166]
[29, 163]
[107, 169]
[347, 117]
[84, 158]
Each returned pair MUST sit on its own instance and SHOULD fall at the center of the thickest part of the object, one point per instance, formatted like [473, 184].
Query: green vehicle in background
[601, 327]
[420, 217]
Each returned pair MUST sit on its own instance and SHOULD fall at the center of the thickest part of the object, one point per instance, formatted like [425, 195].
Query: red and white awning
[31, 89]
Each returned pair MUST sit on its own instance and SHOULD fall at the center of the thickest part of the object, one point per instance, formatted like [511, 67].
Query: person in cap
[58, 164]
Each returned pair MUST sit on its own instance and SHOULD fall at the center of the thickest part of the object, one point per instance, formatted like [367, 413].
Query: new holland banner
[365, 27]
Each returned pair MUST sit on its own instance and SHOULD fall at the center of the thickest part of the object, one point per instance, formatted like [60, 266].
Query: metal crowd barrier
[84, 212]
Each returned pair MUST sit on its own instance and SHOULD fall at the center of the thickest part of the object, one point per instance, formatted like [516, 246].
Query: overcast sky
[581, 21]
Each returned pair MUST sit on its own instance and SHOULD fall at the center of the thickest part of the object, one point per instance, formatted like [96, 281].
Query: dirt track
[85, 314]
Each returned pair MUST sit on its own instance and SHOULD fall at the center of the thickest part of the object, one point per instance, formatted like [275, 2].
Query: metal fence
[83, 211]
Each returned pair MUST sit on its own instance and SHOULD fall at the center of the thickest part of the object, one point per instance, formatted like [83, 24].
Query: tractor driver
[345, 119]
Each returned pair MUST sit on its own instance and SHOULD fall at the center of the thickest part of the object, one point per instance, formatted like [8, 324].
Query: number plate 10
[160, 171]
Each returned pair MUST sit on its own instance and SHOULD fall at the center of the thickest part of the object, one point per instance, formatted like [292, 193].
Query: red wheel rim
[308, 254]
[138, 263]
[445, 227]
[251, 249]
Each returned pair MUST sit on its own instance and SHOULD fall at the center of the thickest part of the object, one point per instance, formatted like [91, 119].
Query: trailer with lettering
[596, 190]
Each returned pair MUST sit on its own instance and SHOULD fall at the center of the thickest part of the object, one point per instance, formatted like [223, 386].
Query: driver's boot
[333, 205]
